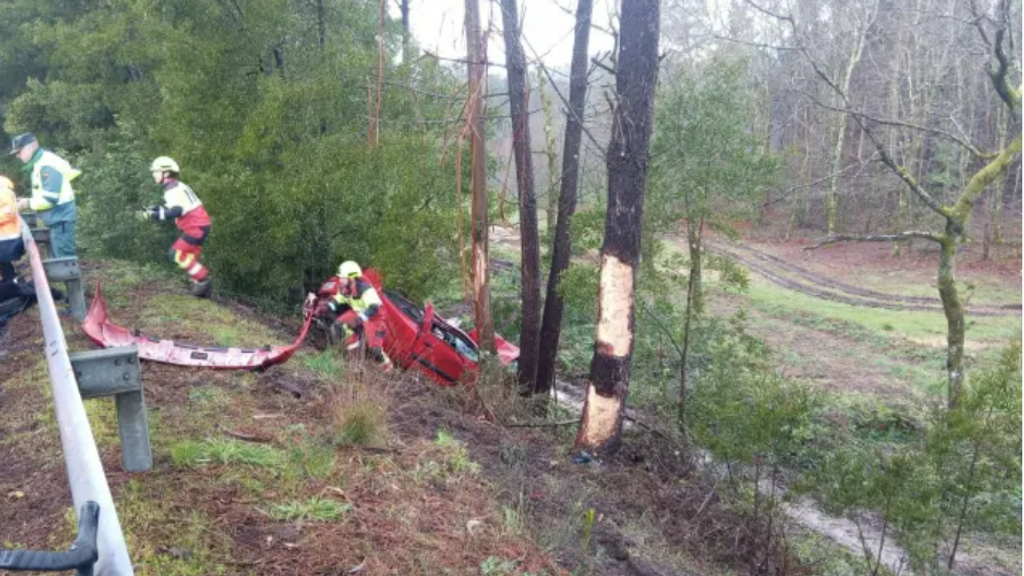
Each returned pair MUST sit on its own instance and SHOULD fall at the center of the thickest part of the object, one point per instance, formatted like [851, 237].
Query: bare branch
[901, 237]
[891, 122]
[810, 184]
[602, 66]
[900, 171]
[427, 53]
[766, 12]
[998, 74]
[565, 102]
[756, 44]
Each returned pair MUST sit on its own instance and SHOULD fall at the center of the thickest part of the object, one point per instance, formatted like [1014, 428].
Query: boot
[202, 289]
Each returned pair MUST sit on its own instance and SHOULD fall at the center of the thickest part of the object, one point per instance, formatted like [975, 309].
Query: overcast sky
[547, 28]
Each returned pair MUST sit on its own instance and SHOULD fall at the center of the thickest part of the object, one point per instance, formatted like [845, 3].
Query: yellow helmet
[349, 269]
[164, 164]
[6, 184]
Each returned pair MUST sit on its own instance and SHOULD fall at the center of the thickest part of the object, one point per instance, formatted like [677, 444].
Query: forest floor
[321, 468]
[342, 471]
[866, 329]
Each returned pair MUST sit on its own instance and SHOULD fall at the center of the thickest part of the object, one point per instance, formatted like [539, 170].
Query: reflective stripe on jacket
[51, 181]
[363, 299]
[184, 205]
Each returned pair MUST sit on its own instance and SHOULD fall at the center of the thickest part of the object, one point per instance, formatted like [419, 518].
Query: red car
[413, 337]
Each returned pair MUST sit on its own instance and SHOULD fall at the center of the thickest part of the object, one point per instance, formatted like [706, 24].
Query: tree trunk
[373, 132]
[551, 327]
[957, 219]
[954, 311]
[321, 25]
[551, 210]
[832, 195]
[684, 355]
[519, 99]
[694, 305]
[481, 289]
[695, 237]
[601, 423]
[403, 7]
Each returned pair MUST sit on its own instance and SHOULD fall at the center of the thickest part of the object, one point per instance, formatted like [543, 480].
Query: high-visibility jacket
[182, 204]
[51, 181]
[10, 226]
[362, 297]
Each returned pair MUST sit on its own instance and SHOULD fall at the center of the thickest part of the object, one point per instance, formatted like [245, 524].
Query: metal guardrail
[85, 471]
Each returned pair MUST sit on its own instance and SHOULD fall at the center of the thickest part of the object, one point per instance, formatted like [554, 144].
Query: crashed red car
[412, 337]
[416, 338]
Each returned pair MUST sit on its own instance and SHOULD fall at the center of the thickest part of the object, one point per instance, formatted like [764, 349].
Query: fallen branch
[544, 424]
[249, 437]
[902, 237]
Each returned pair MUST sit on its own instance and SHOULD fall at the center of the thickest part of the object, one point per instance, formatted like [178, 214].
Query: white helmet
[349, 269]
[164, 164]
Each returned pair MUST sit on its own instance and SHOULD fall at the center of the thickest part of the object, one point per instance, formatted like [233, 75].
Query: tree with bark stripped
[478, 210]
[600, 428]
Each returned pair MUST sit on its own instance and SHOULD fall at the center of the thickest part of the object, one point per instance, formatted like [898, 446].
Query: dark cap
[22, 140]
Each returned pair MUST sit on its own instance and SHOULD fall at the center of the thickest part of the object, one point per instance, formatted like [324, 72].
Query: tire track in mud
[773, 268]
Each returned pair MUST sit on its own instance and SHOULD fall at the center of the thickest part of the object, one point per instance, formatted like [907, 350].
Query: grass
[979, 292]
[921, 325]
[190, 453]
[315, 509]
[119, 278]
[165, 538]
[327, 364]
[201, 318]
[198, 512]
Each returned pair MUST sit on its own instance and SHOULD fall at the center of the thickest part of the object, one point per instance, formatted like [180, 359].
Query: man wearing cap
[53, 198]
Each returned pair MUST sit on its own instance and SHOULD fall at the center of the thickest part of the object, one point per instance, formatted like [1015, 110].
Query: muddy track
[811, 284]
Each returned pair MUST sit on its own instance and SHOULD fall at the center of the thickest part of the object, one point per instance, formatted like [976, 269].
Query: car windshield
[407, 307]
[463, 345]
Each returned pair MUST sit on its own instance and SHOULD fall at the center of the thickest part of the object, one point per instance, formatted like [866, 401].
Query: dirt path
[791, 276]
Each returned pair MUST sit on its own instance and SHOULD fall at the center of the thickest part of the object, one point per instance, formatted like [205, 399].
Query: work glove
[144, 214]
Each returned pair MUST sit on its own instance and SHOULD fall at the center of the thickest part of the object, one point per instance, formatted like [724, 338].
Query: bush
[962, 474]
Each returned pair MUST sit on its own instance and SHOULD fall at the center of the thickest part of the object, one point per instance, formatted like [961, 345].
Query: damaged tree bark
[637, 72]
[478, 211]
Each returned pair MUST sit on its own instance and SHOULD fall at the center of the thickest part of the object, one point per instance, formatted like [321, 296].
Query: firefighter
[355, 304]
[52, 195]
[11, 245]
[182, 205]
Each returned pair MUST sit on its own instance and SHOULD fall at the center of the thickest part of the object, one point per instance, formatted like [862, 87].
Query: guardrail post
[41, 235]
[66, 270]
[115, 372]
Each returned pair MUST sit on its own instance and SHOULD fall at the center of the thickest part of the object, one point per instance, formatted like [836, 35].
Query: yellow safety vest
[67, 193]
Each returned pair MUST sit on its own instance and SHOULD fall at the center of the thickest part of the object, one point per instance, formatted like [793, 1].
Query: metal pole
[85, 472]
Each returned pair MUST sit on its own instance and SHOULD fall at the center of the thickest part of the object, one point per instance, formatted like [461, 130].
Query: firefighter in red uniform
[182, 204]
[354, 305]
